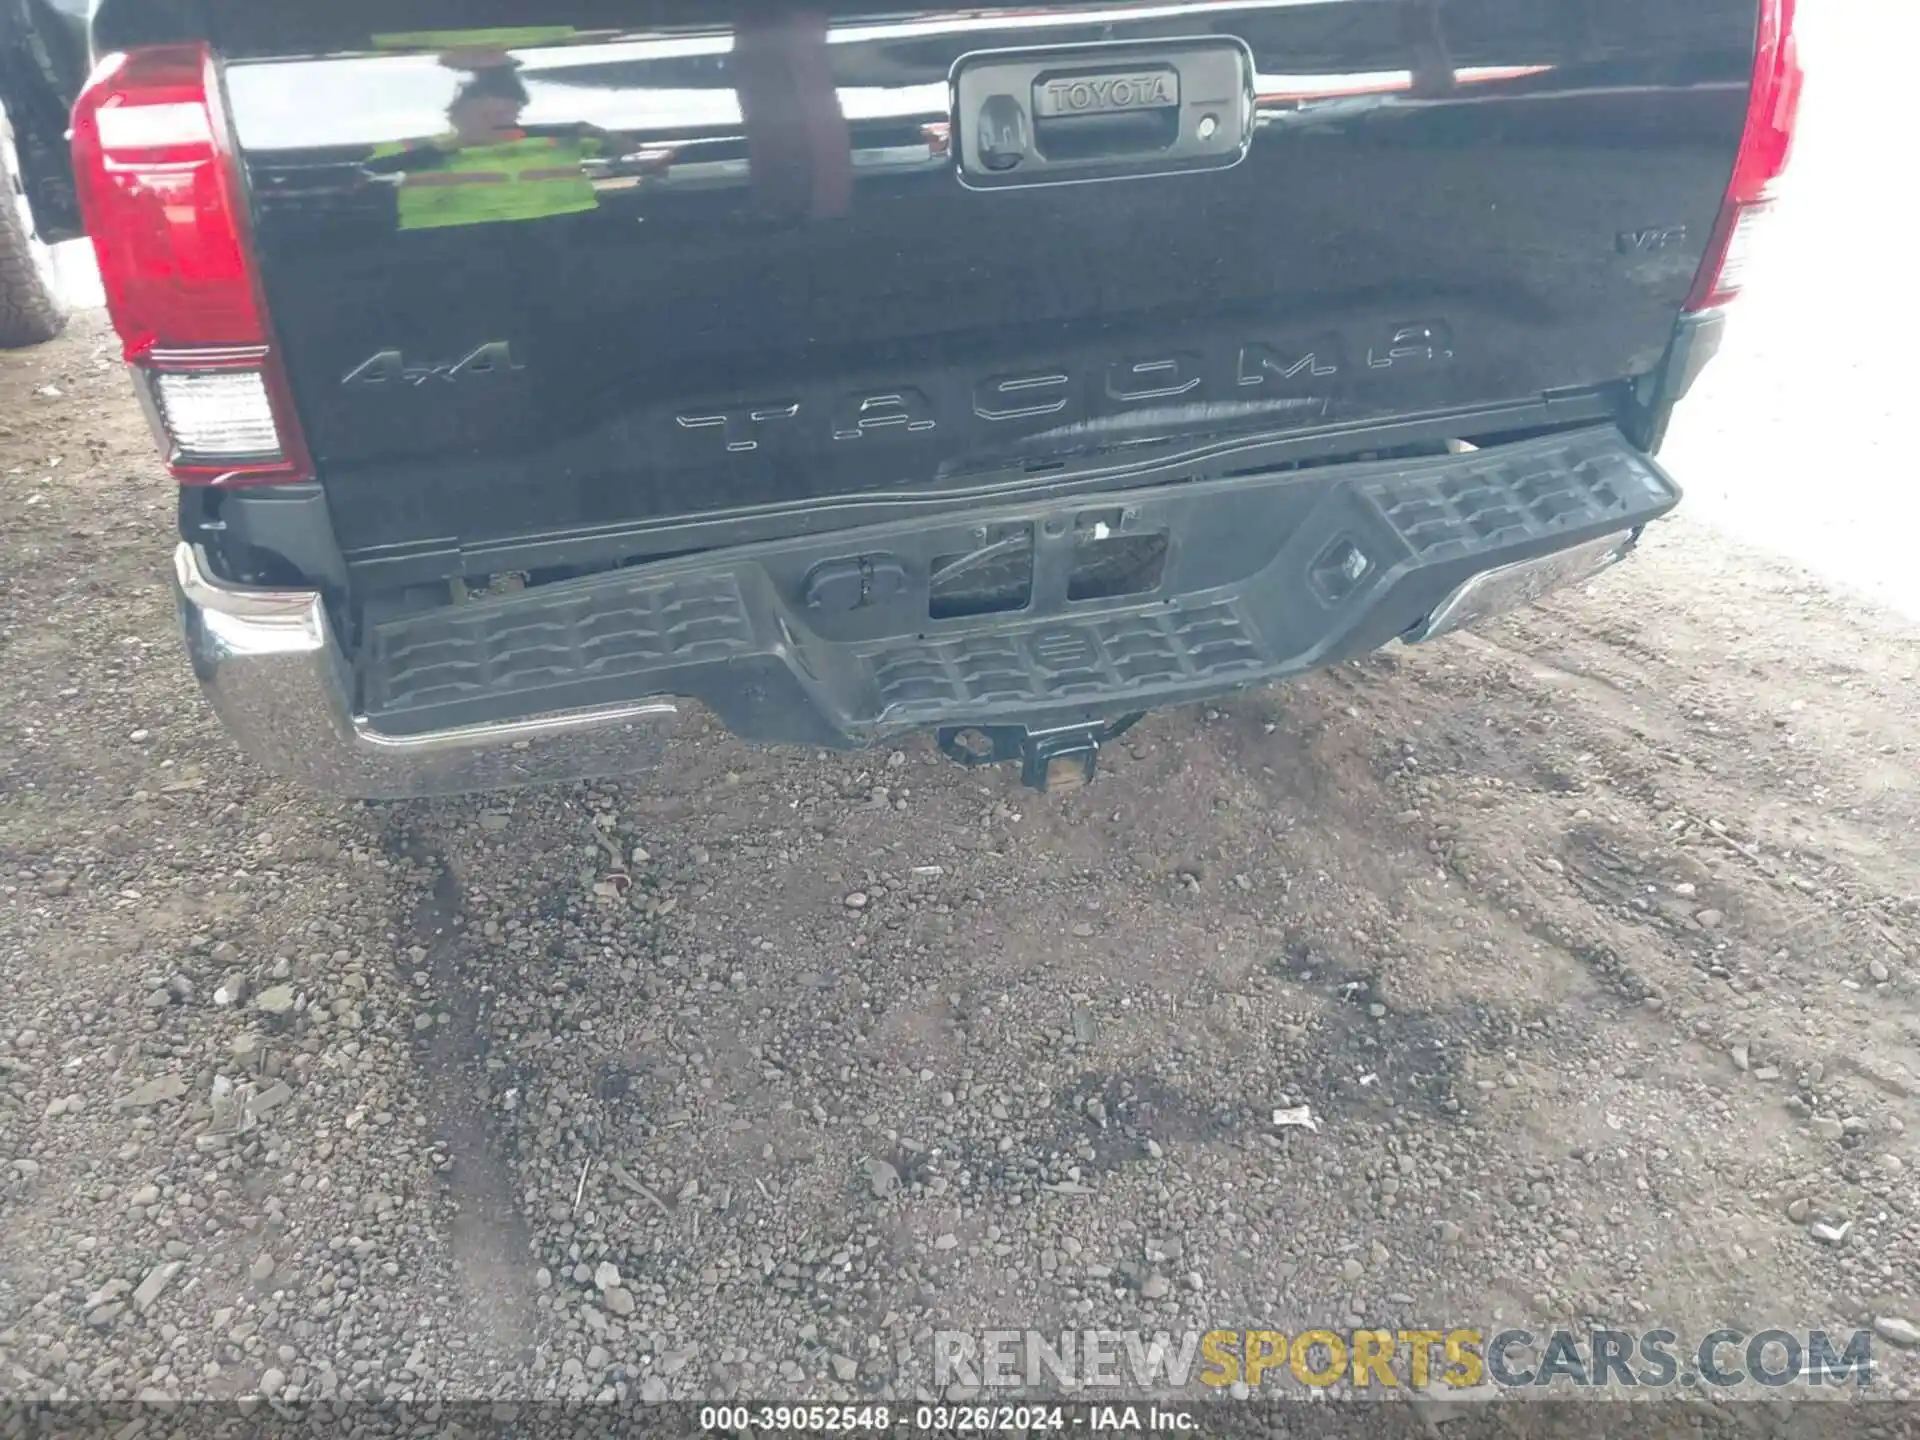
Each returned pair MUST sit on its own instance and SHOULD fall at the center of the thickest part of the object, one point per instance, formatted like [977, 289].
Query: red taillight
[1765, 145]
[160, 189]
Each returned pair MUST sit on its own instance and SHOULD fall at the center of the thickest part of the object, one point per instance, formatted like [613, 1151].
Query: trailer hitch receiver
[1063, 758]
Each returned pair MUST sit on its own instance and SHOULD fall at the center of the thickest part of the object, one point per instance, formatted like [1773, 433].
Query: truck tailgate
[775, 270]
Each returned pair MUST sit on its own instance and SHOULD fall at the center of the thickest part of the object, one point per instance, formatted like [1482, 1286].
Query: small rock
[1710, 919]
[1828, 1128]
[846, 1367]
[106, 1294]
[619, 1300]
[1157, 1287]
[271, 1098]
[1830, 1234]
[1086, 1029]
[157, 1091]
[261, 1269]
[1082, 929]
[653, 1391]
[149, 1289]
[946, 1242]
[1878, 970]
[1896, 1331]
[883, 1178]
[1351, 1269]
[855, 900]
[146, 1195]
[606, 1276]
[1799, 1210]
[232, 989]
[1684, 890]
[274, 1000]
[273, 1382]
[492, 821]
[1741, 1055]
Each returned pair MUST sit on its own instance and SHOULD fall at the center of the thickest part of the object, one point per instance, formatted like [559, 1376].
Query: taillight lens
[160, 189]
[214, 418]
[1766, 143]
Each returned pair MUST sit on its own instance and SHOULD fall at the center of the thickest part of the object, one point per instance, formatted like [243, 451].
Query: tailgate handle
[1039, 117]
[1134, 112]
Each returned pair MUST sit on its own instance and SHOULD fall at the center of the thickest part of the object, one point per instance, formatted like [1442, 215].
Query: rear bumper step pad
[1341, 556]
[1257, 577]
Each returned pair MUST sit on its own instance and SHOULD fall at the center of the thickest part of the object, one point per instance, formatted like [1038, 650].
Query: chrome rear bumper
[279, 680]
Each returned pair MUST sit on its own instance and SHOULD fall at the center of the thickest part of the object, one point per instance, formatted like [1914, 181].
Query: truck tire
[30, 306]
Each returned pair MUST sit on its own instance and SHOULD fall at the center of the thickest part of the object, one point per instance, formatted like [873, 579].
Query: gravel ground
[1588, 939]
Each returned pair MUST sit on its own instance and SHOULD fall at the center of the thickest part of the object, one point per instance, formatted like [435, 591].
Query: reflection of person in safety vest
[486, 168]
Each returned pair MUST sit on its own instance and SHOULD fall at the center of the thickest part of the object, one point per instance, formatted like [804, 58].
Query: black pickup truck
[534, 374]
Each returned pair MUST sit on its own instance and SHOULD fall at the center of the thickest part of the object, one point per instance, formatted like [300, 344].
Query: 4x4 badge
[390, 367]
